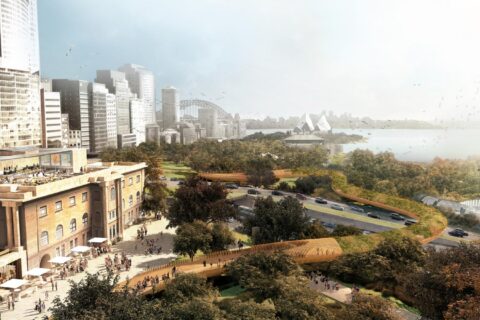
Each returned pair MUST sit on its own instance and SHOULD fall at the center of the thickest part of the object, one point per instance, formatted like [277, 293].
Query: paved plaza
[157, 231]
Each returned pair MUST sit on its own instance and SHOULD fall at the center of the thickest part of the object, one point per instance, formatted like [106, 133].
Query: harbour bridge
[189, 109]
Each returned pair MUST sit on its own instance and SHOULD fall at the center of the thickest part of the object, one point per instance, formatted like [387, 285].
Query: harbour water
[413, 144]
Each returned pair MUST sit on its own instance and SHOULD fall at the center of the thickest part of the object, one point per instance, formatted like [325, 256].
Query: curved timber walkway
[429, 226]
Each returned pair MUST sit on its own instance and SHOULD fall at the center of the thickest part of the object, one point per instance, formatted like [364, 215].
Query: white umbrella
[60, 260]
[97, 240]
[37, 272]
[13, 283]
[80, 249]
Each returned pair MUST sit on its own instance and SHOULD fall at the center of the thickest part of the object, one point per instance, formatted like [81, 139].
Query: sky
[416, 59]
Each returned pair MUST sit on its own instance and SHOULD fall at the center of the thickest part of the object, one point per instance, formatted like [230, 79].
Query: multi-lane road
[326, 214]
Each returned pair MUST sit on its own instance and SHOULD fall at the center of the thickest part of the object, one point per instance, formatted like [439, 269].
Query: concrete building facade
[41, 220]
[20, 115]
[75, 102]
[111, 109]
[170, 108]
[98, 117]
[142, 83]
[208, 119]
[137, 119]
[52, 136]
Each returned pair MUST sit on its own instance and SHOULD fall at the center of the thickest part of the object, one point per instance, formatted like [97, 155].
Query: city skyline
[367, 58]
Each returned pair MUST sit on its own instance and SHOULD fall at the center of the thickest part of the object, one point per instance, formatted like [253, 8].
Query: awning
[13, 283]
[60, 260]
[37, 272]
[97, 240]
[81, 249]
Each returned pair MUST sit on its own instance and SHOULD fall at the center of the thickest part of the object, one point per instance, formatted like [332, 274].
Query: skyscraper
[208, 119]
[142, 82]
[117, 84]
[20, 116]
[137, 119]
[75, 102]
[99, 97]
[170, 107]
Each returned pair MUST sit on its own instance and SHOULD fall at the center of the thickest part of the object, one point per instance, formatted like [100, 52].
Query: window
[130, 181]
[130, 200]
[113, 194]
[72, 201]
[84, 197]
[58, 205]
[138, 178]
[43, 211]
[73, 225]
[59, 232]
[138, 196]
[112, 214]
[44, 238]
[85, 218]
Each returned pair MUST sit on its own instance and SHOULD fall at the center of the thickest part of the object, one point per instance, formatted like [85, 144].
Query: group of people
[327, 283]
[118, 263]
[148, 281]
[142, 232]
[74, 267]
[98, 251]
[40, 306]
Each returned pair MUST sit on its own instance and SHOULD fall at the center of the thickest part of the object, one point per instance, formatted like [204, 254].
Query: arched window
[73, 225]
[44, 238]
[130, 200]
[138, 196]
[59, 232]
[85, 218]
[113, 194]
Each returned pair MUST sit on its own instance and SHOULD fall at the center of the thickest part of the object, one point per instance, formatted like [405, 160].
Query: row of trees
[441, 284]
[275, 288]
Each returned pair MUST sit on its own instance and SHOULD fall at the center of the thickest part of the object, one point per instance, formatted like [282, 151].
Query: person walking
[46, 295]
[56, 286]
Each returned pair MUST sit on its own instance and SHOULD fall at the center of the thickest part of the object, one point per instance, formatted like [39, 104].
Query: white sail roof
[305, 124]
[323, 125]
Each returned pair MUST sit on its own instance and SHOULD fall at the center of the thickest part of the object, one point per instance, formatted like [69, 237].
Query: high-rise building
[65, 130]
[208, 119]
[142, 82]
[51, 119]
[117, 84]
[137, 119]
[98, 117]
[170, 107]
[111, 104]
[75, 102]
[20, 115]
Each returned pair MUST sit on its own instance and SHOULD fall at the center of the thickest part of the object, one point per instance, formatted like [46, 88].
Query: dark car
[300, 196]
[253, 191]
[337, 207]
[277, 193]
[396, 216]
[231, 186]
[409, 222]
[321, 201]
[458, 233]
[173, 179]
[354, 208]
[373, 215]
[329, 225]
[181, 182]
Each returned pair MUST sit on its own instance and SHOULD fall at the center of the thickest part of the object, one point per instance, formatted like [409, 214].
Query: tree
[93, 298]
[315, 230]
[262, 273]
[366, 307]
[343, 230]
[195, 309]
[186, 287]
[191, 237]
[235, 309]
[198, 200]
[277, 221]
[155, 197]
[260, 172]
[222, 237]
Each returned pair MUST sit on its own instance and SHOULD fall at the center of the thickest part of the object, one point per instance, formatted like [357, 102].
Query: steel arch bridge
[189, 108]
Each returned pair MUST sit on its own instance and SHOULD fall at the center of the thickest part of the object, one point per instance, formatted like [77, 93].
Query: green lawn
[231, 292]
[176, 170]
[290, 181]
[236, 194]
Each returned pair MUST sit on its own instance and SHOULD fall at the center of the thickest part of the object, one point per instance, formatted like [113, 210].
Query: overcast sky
[383, 59]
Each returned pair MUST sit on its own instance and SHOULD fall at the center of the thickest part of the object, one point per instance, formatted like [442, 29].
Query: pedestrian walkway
[135, 249]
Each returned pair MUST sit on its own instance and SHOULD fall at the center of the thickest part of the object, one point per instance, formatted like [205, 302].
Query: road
[325, 213]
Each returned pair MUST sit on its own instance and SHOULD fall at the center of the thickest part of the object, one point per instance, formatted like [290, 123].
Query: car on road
[329, 225]
[373, 215]
[301, 196]
[337, 207]
[396, 216]
[277, 193]
[231, 186]
[321, 201]
[366, 232]
[354, 208]
[253, 191]
[409, 222]
[458, 233]
[163, 178]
